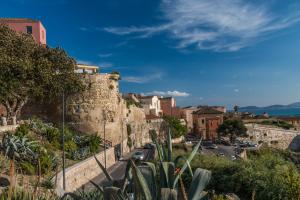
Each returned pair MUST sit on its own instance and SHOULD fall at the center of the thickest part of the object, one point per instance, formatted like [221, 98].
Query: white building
[151, 105]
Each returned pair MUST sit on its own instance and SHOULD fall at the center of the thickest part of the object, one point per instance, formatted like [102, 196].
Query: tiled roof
[21, 20]
[207, 110]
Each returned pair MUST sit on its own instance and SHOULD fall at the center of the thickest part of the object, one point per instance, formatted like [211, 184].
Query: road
[117, 171]
[228, 151]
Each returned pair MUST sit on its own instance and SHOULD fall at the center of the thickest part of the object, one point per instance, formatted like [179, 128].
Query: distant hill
[249, 108]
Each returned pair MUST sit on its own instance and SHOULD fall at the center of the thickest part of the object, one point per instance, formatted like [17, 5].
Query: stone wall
[102, 106]
[84, 171]
[275, 137]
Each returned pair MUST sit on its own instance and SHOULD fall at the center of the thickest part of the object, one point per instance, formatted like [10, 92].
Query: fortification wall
[274, 137]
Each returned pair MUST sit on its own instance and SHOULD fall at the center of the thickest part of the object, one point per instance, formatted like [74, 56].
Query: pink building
[29, 26]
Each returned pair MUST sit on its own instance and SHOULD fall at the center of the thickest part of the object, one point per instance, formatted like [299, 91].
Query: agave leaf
[178, 158]
[113, 193]
[100, 189]
[169, 142]
[127, 176]
[149, 172]
[141, 189]
[103, 169]
[168, 194]
[167, 170]
[72, 195]
[190, 158]
[158, 149]
[200, 180]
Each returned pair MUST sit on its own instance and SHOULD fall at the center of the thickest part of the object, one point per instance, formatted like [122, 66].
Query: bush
[70, 146]
[48, 184]
[81, 153]
[177, 129]
[22, 130]
[28, 168]
[268, 173]
[94, 143]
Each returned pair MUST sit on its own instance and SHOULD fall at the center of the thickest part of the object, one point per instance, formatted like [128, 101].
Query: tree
[235, 108]
[177, 128]
[29, 71]
[232, 128]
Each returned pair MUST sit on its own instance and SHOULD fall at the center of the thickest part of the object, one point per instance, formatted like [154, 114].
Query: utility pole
[63, 140]
[104, 123]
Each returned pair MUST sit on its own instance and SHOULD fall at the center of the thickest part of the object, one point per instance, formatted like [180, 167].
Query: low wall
[178, 140]
[84, 171]
[8, 128]
[275, 137]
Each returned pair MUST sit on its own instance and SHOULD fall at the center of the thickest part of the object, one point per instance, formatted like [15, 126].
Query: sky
[208, 52]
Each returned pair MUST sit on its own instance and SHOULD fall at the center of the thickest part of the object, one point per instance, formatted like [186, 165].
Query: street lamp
[104, 123]
[63, 140]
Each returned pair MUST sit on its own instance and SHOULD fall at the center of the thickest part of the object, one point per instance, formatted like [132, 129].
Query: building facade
[167, 105]
[28, 26]
[206, 121]
[151, 105]
[187, 113]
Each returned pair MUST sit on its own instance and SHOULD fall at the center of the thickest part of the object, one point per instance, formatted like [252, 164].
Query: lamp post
[63, 140]
[104, 135]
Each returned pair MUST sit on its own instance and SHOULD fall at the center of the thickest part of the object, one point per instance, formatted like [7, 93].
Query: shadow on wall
[295, 144]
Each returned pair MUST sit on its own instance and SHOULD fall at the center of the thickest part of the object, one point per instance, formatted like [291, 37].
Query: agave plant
[170, 173]
[141, 180]
[15, 147]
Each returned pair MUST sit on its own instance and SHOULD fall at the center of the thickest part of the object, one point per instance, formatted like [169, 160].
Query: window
[202, 121]
[29, 29]
[43, 34]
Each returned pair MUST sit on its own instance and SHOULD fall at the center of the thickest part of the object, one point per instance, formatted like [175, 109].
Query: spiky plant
[26, 195]
[15, 147]
[145, 185]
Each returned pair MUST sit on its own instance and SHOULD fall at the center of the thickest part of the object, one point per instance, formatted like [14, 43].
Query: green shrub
[28, 168]
[268, 173]
[48, 184]
[94, 143]
[70, 146]
[23, 130]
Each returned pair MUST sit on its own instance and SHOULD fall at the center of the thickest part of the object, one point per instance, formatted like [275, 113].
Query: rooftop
[207, 110]
[17, 20]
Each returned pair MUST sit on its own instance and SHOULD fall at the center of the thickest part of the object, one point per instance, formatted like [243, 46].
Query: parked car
[233, 158]
[221, 154]
[139, 155]
[148, 146]
[212, 146]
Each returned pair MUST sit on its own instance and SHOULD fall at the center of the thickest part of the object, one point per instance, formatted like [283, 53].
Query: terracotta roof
[207, 110]
[165, 98]
[146, 97]
[20, 20]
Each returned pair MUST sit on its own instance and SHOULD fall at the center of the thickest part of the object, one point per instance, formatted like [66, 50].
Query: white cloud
[219, 25]
[83, 29]
[236, 90]
[105, 55]
[106, 65]
[142, 79]
[174, 93]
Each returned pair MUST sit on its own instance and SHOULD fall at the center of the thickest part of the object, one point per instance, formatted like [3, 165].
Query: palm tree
[15, 148]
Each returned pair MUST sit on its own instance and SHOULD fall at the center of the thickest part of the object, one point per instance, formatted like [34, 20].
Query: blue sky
[216, 52]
